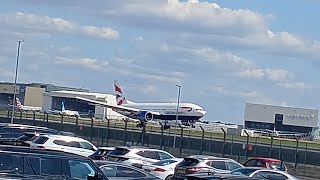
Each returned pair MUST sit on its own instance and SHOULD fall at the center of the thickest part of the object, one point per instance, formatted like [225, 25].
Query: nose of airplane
[203, 112]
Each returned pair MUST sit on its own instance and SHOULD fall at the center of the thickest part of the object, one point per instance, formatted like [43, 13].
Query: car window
[277, 165]
[86, 145]
[269, 175]
[218, 165]
[81, 170]
[5, 164]
[149, 154]
[232, 165]
[119, 151]
[128, 172]
[51, 166]
[109, 170]
[164, 156]
[25, 165]
[40, 140]
[251, 163]
[67, 143]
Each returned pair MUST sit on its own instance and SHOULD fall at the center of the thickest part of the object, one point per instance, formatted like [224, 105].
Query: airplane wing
[127, 111]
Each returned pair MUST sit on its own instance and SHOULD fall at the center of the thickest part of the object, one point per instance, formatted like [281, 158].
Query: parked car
[200, 163]
[9, 131]
[31, 163]
[138, 156]
[69, 144]
[207, 176]
[262, 173]
[118, 171]
[101, 153]
[269, 163]
[163, 169]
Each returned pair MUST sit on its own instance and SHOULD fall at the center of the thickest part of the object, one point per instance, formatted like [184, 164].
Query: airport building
[30, 94]
[279, 118]
[50, 98]
[53, 101]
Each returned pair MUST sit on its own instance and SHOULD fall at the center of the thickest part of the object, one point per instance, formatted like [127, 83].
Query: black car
[116, 170]
[101, 153]
[10, 131]
[26, 162]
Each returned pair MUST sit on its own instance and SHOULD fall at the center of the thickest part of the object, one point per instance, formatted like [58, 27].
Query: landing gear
[165, 126]
[141, 124]
[190, 123]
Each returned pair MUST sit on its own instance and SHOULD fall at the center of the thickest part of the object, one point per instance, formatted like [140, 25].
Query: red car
[269, 163]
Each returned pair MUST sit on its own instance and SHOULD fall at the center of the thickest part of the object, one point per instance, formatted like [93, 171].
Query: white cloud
[278, 74]
[294, 85]
[48, 24]
[89, 63]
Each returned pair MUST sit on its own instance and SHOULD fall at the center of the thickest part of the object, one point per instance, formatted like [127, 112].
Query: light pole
[177, 115]
[15, 80]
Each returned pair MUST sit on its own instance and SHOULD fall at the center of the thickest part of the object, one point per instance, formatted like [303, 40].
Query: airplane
[64, 111]
[68, 112]
[188, 113]
[26, 108]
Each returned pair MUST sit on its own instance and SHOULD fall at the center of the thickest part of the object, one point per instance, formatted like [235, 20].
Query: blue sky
[224, 53]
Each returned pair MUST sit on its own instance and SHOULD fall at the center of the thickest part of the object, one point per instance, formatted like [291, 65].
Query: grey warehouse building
[280, 118]
[30, 94]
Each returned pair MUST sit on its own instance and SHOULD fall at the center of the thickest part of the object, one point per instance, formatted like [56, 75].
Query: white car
[163, 169]
[69, 144]
[262, 173]
[138, 156]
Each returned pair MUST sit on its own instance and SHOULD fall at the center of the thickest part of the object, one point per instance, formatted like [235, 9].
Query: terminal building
[279, 118]
[50, 98]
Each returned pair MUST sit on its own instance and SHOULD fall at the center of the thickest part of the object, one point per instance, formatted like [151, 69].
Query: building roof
[76, 93]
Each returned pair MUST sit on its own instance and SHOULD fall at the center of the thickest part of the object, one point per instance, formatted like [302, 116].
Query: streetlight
[15, 80]
[177, 115]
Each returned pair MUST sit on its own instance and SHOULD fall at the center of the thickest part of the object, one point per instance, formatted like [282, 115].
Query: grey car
[201, 163]
[115, 170]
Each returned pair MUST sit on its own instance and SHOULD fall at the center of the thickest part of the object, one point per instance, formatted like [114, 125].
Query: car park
[262, 173]
[69, 144]
[200, 163]
[101, 153]
[269, 163]
[30, 163]
[163, 169]
[118, 171]
[138, 156]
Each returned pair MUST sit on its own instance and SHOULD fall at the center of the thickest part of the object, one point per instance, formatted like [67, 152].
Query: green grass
[172, 130]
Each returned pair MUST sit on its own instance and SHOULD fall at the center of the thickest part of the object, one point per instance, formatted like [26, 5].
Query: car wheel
[169, 177]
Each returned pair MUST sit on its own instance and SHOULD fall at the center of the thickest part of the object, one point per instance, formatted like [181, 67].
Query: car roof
[202, 157]
[9, 125]
[63, 137]
[138, 148]
[266, 159]
[29, 150]
[106, 148]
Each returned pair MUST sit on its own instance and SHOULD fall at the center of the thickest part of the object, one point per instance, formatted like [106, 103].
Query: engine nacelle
[145, 116]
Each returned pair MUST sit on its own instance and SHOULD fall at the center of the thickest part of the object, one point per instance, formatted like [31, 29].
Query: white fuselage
[186, 111]
[30, 108]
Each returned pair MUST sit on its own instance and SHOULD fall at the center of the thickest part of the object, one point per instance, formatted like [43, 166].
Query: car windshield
[119, 151]
[243, 171]
[165, 162]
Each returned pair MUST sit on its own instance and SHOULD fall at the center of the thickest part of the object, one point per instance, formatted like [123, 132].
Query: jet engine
[145, 116]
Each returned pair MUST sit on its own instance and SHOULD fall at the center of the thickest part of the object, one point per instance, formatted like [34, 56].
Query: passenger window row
[154, 155]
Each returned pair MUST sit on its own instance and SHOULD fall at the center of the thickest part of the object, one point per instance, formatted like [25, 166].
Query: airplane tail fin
[18, 103]
[121, 99]
[62, 106]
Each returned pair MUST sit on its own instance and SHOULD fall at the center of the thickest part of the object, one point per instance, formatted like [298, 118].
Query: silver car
[200, 163]
[138, 156]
